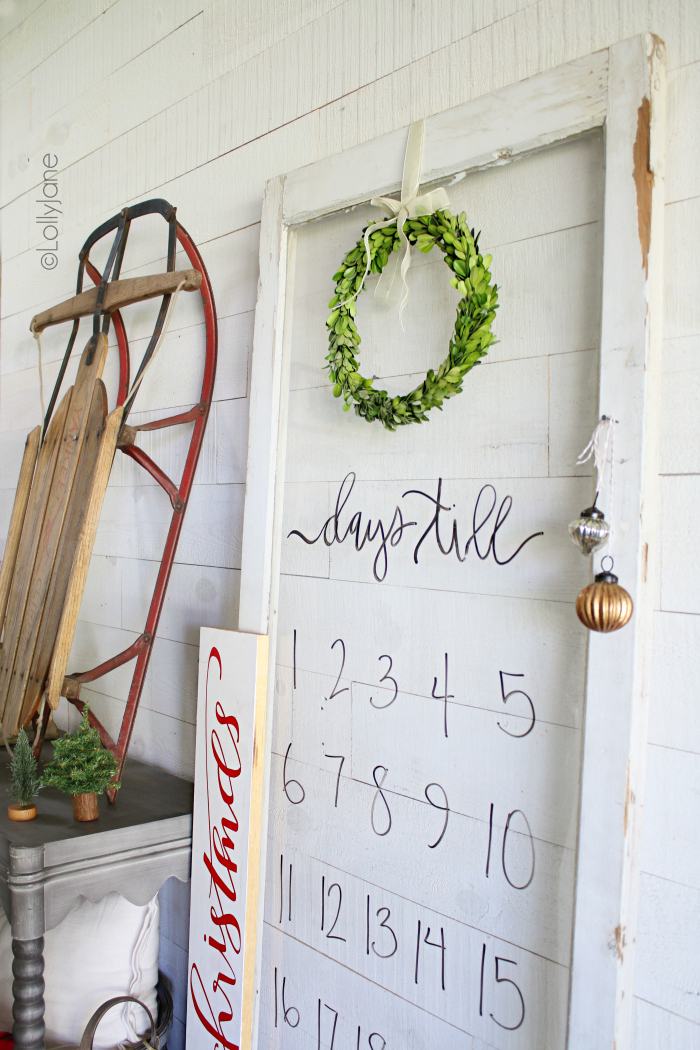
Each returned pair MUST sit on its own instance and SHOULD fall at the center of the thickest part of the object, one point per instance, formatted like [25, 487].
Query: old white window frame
[622, 90]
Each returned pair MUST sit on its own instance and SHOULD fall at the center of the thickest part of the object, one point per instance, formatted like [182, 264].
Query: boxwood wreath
[472, 335]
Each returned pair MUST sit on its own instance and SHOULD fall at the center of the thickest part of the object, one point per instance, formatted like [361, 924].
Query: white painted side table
[47, 863]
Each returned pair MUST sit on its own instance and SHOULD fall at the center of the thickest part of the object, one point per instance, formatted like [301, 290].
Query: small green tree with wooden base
[81, 767]
[24, 779]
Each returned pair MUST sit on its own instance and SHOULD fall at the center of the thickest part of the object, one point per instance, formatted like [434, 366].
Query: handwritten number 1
[289, 896]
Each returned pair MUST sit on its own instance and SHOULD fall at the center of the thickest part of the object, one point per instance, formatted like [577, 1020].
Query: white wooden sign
[226, 838]
[455, 767]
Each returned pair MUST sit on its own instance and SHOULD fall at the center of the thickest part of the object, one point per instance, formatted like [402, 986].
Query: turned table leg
[28, 994]
[27, 917]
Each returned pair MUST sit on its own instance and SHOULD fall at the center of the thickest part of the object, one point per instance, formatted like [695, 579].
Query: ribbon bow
[410, 206]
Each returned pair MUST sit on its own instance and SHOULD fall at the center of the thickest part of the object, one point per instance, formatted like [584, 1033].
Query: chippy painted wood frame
[621, 89]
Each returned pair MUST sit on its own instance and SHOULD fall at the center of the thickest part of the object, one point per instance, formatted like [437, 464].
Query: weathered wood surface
[29, 543]
[69, 449]
[231, 712]
[65, 553]
[83, 552]
[317, 79]
[118, 294]
[19, 508]
[371, 768]
[619, 673]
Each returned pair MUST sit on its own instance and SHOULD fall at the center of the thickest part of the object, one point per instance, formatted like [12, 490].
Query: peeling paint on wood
[643, 179]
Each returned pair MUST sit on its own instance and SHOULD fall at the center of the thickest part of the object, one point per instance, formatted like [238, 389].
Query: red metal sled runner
[63, 478]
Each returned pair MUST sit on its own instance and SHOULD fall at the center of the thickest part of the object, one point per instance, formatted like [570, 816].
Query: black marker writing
[333, 531]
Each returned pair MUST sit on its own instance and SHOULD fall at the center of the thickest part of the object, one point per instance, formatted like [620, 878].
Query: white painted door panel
[455, 767]
[440, 802]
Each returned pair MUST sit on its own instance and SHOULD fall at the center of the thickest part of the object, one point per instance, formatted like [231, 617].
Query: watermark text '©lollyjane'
[48, 220]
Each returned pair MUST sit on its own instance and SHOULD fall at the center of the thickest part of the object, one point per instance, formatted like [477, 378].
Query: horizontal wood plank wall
[261, 89]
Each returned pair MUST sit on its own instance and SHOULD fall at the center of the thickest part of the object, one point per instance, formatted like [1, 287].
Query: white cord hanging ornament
[604, 605]
[591, 531]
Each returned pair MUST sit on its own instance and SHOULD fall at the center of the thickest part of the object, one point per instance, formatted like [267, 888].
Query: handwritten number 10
[515, 885]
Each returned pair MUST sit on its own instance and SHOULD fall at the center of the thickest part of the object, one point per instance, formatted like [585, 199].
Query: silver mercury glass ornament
[589, 532]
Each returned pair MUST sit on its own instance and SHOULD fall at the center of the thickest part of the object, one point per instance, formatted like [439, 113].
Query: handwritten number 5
[507, 980]
[506, 698]
[387, 678]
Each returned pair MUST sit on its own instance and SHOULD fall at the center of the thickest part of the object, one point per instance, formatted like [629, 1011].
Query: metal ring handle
[91, 1027]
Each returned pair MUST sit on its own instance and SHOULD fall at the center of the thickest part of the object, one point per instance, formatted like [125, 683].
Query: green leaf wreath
[472, 332]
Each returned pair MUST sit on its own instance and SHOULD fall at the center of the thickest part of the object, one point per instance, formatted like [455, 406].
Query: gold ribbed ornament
[604, 605]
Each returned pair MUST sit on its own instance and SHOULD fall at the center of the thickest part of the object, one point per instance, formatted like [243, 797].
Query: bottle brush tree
[24, 774]
[80, 765]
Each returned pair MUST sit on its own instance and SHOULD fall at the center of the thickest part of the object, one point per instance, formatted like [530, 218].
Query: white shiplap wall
[200, 101]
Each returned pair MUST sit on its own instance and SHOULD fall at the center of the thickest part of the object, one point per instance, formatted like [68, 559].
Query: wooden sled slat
[81, 562]
[57, 526]
[33, 521]
[19, 509]
[61, 485]
[65, 555]
[117, 295]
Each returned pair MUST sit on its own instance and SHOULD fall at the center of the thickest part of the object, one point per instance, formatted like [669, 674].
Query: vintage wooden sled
[63, 479]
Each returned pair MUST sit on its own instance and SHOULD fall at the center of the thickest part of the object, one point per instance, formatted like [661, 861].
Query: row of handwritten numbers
[288, 1014]
[381, 819]
[437, 693]
[382, 942]
[331, 908]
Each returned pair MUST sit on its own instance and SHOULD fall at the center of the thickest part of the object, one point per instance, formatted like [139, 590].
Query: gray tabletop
[134, 846]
